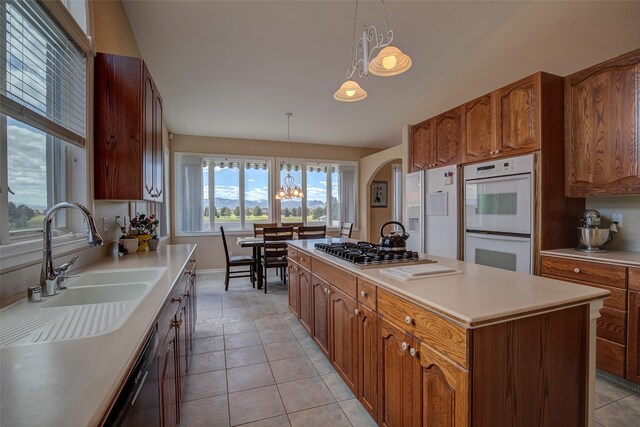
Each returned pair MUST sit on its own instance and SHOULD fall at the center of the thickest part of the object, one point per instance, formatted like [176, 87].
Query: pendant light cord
[289, 138]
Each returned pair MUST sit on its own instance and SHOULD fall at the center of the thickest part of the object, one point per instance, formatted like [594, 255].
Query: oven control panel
[497, 168]
[510, 166]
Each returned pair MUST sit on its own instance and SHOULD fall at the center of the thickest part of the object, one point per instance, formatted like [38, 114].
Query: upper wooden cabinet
[478, 129]
[128, 131]
[518, 117]
[436, 142]
[602, 123]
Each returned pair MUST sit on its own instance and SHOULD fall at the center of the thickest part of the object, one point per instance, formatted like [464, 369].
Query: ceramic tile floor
[254, 365]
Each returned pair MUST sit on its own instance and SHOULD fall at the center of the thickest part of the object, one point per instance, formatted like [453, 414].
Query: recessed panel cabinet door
[444, 390]
[368, 358]
[158, 161]
[320, 299]
[168, 381]
[343, 336]
[448, 133]
[423, 146]
[304, 286]
[294, 289]
[478, 129]
[148, 142]
[518, 117]
[601, 128]
[633, 343]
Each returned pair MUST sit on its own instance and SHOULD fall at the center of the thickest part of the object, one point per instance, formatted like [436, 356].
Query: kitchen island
[480, 346]
[74, 382]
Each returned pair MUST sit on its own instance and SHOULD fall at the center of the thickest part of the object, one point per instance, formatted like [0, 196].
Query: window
[215, 191]
[330, 191]
[42, 118]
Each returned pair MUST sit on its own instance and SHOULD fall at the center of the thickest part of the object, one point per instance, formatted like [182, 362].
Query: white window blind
[43, 72]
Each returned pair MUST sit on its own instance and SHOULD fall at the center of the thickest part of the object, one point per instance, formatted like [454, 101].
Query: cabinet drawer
[292, 254]
[610, 357]
[367, 294]
[340, 279]
[634, 278]
[304, 260]
[585, 272]
[444, 336]
[611, 325]
[617, 300]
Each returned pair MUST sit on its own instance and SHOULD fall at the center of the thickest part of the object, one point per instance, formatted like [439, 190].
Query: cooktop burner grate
[365, 254]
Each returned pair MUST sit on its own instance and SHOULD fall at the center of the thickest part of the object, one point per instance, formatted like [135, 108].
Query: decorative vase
[142, 242]
[130, 245]
[153, 244]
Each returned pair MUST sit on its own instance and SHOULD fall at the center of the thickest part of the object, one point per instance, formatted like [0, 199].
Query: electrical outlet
[105, 224]
[617, 217]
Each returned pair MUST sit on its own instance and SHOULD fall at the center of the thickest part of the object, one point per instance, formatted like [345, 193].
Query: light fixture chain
[384, 13]
[353, 39]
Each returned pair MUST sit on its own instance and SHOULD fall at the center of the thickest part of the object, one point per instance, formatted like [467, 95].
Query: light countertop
[72, 382]
[609, 257]
[480, 295]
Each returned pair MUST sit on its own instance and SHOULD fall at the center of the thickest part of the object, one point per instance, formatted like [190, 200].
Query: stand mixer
[590, 235]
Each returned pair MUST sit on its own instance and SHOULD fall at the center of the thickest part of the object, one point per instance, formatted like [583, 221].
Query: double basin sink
[94, 303]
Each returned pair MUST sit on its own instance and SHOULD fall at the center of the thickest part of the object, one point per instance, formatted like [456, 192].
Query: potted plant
[145, 229]
[128, 243]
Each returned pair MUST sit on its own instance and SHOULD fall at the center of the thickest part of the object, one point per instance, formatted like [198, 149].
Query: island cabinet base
[412, 366]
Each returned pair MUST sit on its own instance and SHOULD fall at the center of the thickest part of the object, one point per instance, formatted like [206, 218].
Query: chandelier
[390, 60]
[289, 189]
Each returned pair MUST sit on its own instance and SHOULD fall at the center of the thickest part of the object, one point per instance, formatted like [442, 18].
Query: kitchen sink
[98, 294]
[113, 277]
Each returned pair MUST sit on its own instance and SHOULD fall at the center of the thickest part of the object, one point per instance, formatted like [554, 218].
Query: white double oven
[498, 210]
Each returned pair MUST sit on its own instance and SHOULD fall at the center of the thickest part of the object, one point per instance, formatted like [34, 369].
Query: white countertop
[609, 257]
[479, 296]
[72, 382]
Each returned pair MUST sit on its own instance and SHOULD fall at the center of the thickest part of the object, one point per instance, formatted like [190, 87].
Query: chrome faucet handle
[60, 272]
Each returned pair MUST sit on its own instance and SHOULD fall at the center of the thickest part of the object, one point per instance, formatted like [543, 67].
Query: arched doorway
[384, 198]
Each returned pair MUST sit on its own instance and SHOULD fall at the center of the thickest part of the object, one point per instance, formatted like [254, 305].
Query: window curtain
[348, 184]
[190, 170]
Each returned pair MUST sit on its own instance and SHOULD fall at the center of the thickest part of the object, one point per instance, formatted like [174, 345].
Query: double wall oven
[498, 210]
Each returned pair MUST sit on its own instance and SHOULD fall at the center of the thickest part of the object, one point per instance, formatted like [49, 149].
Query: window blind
[43, 72]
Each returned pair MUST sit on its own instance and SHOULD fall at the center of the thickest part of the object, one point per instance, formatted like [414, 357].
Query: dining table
[256, 243]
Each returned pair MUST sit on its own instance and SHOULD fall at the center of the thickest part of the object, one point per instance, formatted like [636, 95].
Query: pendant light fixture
[289, 189]
[390, 60]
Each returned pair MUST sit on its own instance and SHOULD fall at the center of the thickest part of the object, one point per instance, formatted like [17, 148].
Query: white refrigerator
[431, 211]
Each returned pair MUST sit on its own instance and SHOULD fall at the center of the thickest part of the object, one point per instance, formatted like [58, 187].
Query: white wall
[628, 237]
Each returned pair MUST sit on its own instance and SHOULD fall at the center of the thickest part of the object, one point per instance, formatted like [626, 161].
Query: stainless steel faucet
[50, 276]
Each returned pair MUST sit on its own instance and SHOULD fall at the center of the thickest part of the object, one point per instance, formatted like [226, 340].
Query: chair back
[295, 225]
[258, 227]
[345, 229]
[312, 232]
[224, 243]
[275, 245]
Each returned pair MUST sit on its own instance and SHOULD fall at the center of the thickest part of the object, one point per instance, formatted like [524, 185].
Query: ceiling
[234, 68]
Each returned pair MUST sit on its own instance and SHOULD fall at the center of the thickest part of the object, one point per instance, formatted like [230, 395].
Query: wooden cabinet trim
[633, 340]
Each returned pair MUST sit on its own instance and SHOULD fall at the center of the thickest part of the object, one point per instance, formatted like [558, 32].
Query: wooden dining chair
[312, 232]
[295, 225]
[258, 227]
[237, 261]
[275, 251]
[345, 229]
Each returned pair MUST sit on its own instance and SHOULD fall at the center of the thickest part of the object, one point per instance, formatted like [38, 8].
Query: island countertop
[478, 296]
[72, 382]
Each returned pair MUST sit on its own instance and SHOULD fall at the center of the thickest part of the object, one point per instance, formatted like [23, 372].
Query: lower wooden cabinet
[294, 289]
[168, 381]
[304, 290]
[343, 336]
[633, 343]
[320, 302]
[367, 391]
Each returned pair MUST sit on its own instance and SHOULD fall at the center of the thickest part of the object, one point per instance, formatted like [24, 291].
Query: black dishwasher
[139, 401]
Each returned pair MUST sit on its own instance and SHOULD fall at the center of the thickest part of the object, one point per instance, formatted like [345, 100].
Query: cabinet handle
[176, 299]
[158, 192]
[363, 294]
[405, 346]
[413, 352]
[149, 190]
[177, 323]
[576, 270]
[408, 320]
[356, 311]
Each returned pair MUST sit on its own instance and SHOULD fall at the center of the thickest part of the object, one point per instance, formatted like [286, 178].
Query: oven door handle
[513, 177]
[496, 236]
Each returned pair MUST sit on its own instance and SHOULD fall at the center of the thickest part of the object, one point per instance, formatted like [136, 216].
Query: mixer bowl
[593, 238]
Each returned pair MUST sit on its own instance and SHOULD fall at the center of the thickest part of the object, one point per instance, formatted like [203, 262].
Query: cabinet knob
[496, 152]
[408, 320]
[413, 352]
[356, 311]
[491, 152]
[405, 346]
[576, 270]
[177, 323]
[363, 294]
[176, 299]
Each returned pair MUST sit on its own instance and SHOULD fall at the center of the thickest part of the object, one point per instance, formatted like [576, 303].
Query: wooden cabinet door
[181, 353]
[304, 289]
[158, 160]
[148, 125]
[448, 132]
[518, 117]
[320, 302]
[168, 381]
[368, 358]
[294, 289]
[633, 340]
[343, 337]
[395, 376]
[601, 126]
[444, 390]
[423, 146]
[478, 130]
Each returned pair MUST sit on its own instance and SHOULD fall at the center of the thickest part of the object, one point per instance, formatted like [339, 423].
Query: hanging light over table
[289, 189]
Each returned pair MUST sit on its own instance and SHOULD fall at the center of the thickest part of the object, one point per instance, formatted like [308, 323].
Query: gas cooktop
[368, 255]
